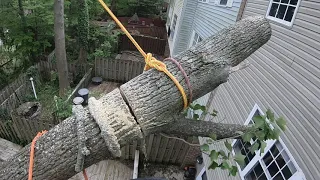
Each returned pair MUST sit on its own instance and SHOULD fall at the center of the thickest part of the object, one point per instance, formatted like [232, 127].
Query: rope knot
[152, 62]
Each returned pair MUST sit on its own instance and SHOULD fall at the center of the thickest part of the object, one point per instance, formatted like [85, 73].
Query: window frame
[199, 176]
[173, 25]
[282, 21]
[259, 158]
[194, 33]
[228, 4]
[203, 1]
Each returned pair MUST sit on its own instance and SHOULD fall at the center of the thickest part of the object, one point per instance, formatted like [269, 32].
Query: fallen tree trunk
[147, 104]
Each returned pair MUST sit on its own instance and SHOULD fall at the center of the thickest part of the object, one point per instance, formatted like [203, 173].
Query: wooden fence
[118, 70]
[159, 32]
[11, 97]
[161, 149]
[72, 67]
[15, 86]
[148, 44]
[22, 131]
[84, 82]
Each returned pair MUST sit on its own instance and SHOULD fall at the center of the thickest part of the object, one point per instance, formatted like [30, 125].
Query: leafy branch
[264, 127]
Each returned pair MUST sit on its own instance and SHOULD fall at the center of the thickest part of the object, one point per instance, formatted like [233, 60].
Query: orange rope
[85, 174]
[151, 62]
[33, 144]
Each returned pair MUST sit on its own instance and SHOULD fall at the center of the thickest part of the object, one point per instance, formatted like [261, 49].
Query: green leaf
[281, 123]
[228, 145]
[223, 154]
[233, 171]
[213, 165]
[263, 146]
[195, 116]
[239, 158]
[276, 133]
[258, 121]
[260, 135]
[214, 155]
[270, 115]
[224, 165]
[185, 112]
[199, 107]
[213, 136]
[254, 147]
[247, 137]
[204, 147]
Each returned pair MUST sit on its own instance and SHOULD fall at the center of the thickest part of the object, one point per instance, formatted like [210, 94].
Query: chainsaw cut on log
[149, 103]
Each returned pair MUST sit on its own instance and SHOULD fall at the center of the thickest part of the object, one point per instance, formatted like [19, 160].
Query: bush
[63, 108]
[28, 98]
[103, 41]
[54, 78]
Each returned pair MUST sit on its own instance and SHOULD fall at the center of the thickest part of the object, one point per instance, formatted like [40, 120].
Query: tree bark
[83, 30]
[60, 46]
[146, 104]
[154, 98]
[188, 127]
[22, 16]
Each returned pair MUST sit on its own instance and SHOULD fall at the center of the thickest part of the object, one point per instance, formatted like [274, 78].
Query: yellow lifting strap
[151, 62]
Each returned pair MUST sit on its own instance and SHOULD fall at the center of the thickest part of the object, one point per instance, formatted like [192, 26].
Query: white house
[284, 75]
[191, 21]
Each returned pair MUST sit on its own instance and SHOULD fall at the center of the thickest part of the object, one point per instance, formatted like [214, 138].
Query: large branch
[145, 104]
[188, 127]
[153, 97]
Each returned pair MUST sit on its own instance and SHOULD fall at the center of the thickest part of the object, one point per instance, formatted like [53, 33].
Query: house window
[196, 39]
[275, 163]
[225, 3]
[283, 11]
[173, 27]
[202, 174]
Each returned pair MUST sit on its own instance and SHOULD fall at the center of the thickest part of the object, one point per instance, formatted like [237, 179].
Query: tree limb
[189, 127]
[153, 97]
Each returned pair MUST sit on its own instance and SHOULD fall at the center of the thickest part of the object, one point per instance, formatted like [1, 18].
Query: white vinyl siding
[176, 7]
[212, 17]
[283, 11]
[283, 75]
[205, 18]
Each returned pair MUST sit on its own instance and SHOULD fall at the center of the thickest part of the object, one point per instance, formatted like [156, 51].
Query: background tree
[144, 8]
[83, 30]
[60, 47]
[26, 33]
